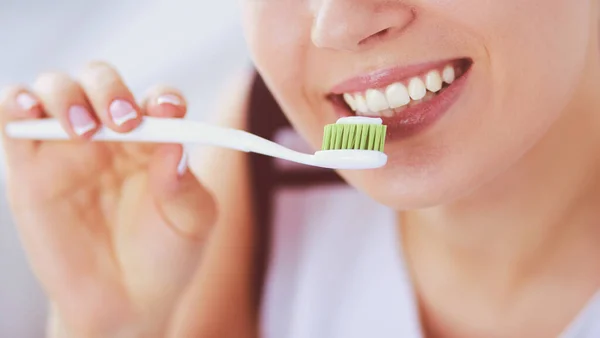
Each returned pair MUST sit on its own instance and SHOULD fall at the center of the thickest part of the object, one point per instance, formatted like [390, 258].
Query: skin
[501, 192]
[123, 244]
[496, 201]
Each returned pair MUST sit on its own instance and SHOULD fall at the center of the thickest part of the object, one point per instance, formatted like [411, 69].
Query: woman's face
[495, 75]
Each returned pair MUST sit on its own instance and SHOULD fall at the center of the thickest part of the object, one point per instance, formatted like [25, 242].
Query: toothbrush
[351, 143]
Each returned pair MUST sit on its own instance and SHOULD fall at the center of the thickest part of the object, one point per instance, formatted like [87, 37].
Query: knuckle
[51, 76]
[97, 65]
[164, 89]
[9, 92]
[100, 74]
[52, 81]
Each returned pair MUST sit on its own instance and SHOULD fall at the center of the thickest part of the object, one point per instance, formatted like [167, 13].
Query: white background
[192, 44]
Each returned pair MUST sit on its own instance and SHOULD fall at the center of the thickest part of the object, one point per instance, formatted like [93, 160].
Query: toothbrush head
[353, 142]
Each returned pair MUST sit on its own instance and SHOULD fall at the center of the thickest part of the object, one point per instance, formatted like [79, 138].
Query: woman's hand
[113, 231]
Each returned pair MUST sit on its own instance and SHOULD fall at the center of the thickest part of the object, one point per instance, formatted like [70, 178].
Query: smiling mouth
[407, 99]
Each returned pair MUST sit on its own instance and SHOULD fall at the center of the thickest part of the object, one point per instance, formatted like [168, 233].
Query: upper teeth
[433, 81]
[416, 89]
[448, 74]
[376, 100]
[397, 95]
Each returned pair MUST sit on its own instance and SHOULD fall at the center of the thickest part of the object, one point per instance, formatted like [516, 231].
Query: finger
[18, 103]
[160, 101]
[64, 99]
[224, 285]
[186, 212]
[188, 208]
[164, 101]
[111, 99]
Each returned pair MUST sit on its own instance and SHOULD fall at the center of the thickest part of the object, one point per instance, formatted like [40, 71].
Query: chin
[408, 187]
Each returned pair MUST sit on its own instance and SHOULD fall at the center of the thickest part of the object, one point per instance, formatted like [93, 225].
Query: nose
[351, 25]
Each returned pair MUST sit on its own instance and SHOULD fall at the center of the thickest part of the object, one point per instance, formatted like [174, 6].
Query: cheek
[541, 55]
[537, 54]
[534, 58]
[536, 49]
[276, 36]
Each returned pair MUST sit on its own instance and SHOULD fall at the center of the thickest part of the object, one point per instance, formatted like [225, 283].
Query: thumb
[181, 199]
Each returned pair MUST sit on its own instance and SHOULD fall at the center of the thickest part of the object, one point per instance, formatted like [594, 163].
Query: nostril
[379, 35]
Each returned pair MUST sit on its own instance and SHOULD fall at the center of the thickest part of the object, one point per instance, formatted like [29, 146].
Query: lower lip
[414, 120]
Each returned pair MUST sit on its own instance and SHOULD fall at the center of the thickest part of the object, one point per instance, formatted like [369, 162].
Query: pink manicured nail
[26, 101]
[81, 120]
[122, 111]
[183, 164]
[169, 99]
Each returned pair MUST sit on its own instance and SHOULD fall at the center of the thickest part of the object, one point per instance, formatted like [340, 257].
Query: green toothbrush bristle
[354, 136]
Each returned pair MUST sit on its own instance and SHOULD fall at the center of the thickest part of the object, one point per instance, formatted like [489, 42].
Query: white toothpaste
[359, 120]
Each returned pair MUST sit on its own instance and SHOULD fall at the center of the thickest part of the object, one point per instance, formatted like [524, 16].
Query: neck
[538, 219]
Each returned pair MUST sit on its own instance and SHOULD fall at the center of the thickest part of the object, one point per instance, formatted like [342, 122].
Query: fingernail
[183, 164]
[169, 99]
[81, 120]
[26, 101]
[122, 111]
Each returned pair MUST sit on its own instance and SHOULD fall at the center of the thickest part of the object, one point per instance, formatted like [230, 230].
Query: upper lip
[384, 77]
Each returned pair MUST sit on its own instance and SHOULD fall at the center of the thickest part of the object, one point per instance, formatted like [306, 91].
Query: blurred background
[196, 46]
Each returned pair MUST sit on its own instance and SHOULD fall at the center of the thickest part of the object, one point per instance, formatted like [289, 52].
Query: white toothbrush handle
[172, 130]
[164, 130]
[151, 130]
